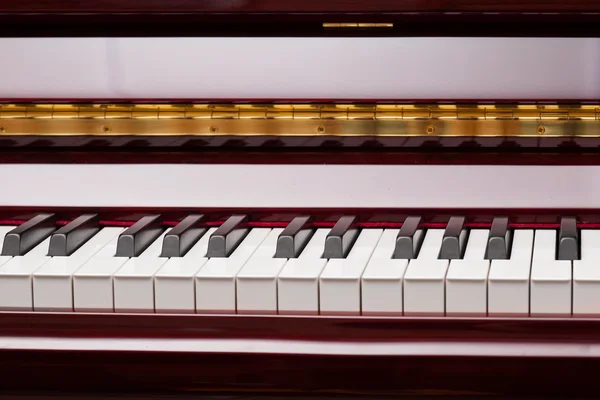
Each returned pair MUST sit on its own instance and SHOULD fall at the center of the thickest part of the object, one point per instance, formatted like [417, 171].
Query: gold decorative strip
[301, 111]
[301, 119]
[358, 25]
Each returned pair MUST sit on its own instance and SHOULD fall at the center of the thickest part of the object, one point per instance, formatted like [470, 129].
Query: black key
[70, 237]
[294, 237]
[409, 239]
[28, 235]
[139, 236]
[454, 240]
[498, 245]
[568, 239]
[341, 238]
[183, 236]
[229, 235]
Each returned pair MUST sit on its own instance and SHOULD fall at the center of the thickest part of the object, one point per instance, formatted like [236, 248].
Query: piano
[302, 198]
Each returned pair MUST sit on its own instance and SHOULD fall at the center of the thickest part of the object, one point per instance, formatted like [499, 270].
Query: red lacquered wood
[296, 6]
[297, 17]
[366, 218]
[316, 155]
[564, 362]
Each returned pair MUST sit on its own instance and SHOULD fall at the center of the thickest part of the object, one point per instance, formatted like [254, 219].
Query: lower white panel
[311, 186]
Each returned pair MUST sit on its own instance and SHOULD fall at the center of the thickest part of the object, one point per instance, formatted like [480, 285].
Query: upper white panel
[61, 68]
[301, 68]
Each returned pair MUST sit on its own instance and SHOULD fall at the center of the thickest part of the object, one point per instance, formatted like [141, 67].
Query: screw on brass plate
[105, 128]
[541, 130]
[2, 129]
[430, 130]
[213, 129]
[320, 129]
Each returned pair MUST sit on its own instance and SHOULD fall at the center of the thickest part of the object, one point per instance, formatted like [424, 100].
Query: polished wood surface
[366, 218]
[298, 18]
[297, 6]
[196, 151]
[563, 363]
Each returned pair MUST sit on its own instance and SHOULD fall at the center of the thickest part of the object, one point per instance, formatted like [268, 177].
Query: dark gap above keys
[325, 218]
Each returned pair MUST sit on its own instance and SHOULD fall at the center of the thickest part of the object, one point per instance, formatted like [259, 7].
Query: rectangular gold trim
[329, 25]
[476, 119]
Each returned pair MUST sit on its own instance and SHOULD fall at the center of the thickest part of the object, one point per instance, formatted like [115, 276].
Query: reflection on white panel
[301, 68]
[301, 186]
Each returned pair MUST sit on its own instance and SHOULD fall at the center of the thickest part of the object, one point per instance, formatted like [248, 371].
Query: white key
[340, 279]
[3, 231]
[550, 278]
[586, 276]
[466, 282]
[257, 280]
[53, 281]
[134, 281]
[508, 280]
[93, 282]
[424, 280]
[298, 281]
[174, 290]
[590, 244]
[382, 279]
[215, 282]
[16, 275]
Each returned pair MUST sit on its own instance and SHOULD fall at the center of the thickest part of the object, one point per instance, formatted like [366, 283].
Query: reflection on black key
[341, 238]
[568, 239]
[409, 239]
[28, 235]
[293, 238]
[498, 245]
[139, 236]
[454, 240]
[70, 237]
[229, 235]
[183, 236]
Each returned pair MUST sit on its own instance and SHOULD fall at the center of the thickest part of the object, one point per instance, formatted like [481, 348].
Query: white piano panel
[56, 68]
[305, 186]
[302, 68]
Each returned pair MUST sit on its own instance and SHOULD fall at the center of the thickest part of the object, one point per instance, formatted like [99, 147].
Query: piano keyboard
[300, 269]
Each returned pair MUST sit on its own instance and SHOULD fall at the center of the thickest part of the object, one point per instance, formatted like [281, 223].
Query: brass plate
[487, 120]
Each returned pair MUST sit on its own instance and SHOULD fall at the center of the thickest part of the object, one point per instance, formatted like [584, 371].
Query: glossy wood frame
[142, 152]
[296, 6]
[321, 218]
[459, 356]
[294, 17]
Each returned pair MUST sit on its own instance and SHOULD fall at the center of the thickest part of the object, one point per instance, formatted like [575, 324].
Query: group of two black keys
[65, 240]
